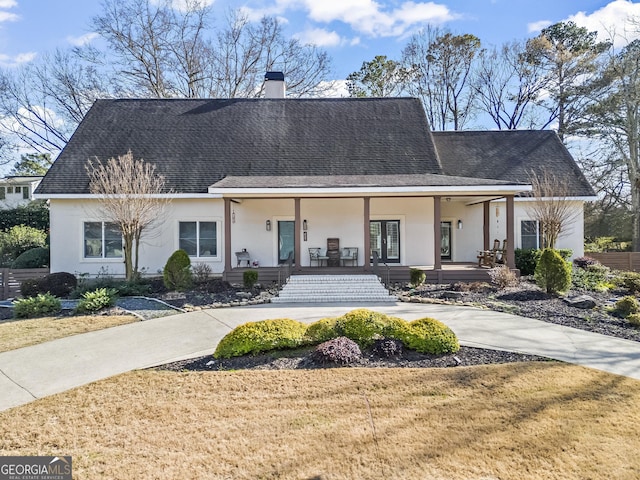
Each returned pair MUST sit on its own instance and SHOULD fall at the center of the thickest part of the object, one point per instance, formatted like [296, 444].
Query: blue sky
[352, 31]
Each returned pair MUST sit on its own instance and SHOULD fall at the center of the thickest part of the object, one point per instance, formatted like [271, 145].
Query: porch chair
[501, 254]
[317, 255]
[349, 254]
[243, 256]
[487, 258]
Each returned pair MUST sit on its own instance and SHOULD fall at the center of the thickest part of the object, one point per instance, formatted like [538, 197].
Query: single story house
[276, 176]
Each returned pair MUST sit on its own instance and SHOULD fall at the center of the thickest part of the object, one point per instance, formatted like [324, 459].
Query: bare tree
[509, 87]
[244, 51]
[131, 195]
[443, 65]
[551, 205]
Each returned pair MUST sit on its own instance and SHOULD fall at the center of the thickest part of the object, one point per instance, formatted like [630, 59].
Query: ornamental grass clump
[263, 336]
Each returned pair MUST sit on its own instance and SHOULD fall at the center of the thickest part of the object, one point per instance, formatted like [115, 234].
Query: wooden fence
[625, 261]
[11, 280]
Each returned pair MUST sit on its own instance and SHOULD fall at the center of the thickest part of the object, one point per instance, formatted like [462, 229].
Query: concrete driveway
[33, 372]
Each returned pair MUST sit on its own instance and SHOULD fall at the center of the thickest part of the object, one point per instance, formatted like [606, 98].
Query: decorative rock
[244, 294]
[451, 295]
[584, 302]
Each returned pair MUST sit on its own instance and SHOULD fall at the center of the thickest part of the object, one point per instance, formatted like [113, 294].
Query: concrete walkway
[34, 372]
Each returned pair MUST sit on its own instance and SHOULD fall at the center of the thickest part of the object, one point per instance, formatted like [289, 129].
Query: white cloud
[14, 61]
[82, 39]
[8, 17]
[319, 37]
[612, 20]
[8, 3]
[365, 16]
[183, 5]
[535, 27]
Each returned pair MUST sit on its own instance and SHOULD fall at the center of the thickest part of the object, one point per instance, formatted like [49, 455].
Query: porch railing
[284, 270]
[386, 274]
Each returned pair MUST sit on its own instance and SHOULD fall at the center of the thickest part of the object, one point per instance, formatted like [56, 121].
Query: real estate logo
[35, 468]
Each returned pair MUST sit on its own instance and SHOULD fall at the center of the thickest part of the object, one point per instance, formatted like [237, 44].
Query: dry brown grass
[515, 421]
[22, 333]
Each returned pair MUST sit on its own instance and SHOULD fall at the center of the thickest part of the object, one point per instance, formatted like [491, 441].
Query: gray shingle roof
[509, 155]
[196, 143]
[370, 141]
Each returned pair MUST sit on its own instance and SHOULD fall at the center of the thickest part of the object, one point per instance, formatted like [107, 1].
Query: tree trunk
[635, 201]
[128, 264]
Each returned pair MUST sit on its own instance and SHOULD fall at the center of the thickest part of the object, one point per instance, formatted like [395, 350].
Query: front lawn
[23, 333]
[514, 421]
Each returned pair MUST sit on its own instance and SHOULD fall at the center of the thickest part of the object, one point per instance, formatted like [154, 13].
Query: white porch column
[296, 237]
[367, 234]
[511, 238]
[227, 234]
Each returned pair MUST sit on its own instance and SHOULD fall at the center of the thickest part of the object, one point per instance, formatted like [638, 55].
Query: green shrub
[96, 300]
[59, 284]
[592, 277]
[630, 281]
[416, 277]
[427, 335]
[29, 287]
[362, 326]
[634, 319]
[256, 337]
[249, 278]
[41, 305]
[527, 259]
[321, 331]
[177, 271]
[21, 238]
[626, 306]
[33, 258]
[553, 273]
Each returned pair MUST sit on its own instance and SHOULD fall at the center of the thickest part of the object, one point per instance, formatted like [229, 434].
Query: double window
[102, 240]
[199, 239]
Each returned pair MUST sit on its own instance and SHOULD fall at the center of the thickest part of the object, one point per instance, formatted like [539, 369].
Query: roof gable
[509, 155]
[196, 143]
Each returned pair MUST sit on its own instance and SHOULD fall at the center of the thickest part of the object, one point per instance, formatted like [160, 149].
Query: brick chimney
[274, 85]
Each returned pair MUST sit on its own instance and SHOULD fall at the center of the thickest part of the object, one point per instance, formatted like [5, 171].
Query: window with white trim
[102, 240]
[530, 234]
[198, 239]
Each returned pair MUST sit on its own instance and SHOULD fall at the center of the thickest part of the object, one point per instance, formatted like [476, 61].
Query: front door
[385, 239]
[286, 239]
[445, 240]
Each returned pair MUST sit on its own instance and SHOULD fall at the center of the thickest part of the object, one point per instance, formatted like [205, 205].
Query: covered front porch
[403, 225]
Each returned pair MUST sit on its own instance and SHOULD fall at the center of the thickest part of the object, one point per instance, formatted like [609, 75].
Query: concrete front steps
[333, 288]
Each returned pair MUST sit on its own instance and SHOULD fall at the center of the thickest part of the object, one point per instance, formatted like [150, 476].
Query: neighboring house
[277, 175]
[16, 191]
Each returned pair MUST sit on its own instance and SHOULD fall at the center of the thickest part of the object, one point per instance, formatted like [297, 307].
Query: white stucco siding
[67, 237]
[572, 238]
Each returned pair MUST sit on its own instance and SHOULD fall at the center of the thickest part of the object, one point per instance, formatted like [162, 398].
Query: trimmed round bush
[341, 351]
[634, 319]
[427, 335]
[177, 271]
[34, 258]
[257, 337]
[388, 347]
[416, 277]
[321, 331]
[626, 306]
[59, 284]
[29, 287]
[362, 326]
[42, 305]
[553, 273]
